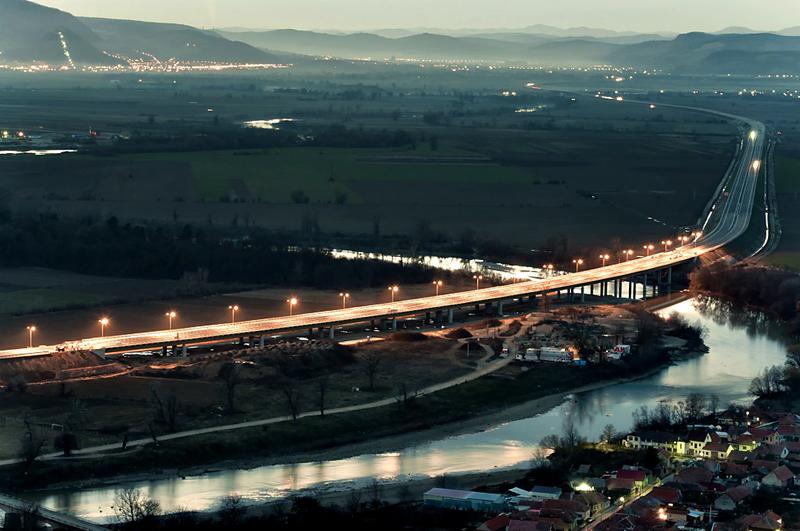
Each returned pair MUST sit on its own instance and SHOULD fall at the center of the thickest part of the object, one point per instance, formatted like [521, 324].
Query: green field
[29, 289]
[787, 184]
[521, 186]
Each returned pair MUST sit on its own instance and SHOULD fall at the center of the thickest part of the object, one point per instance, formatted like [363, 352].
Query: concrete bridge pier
[583, 294]
[499, 308]
[164, 351]
[261, 342]
[644, 287]
[394, 323]
[332, 333]
[669, 280]
[450, 316]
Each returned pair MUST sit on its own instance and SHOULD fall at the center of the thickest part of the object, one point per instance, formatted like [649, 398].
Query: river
[741, 345]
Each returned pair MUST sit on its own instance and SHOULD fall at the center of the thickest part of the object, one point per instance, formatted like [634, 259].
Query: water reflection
[38, 152]
[741, 345]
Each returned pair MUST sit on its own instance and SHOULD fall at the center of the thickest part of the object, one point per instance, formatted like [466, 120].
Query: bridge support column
[164, 351]
[644, 287]
[500, 308]
[185, 351]
[450, 316]
[583, 294]
[439, 317]
[394, 323]
[261, 342]
[669, 280]
[631, 285]
[332, 333]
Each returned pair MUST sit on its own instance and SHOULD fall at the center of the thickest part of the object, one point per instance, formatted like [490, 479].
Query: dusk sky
[634, 15]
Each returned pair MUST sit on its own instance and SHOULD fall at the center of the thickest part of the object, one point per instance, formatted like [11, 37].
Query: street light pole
[103, 324]
[31, 329]
[578, 263]
[171, 315]
[234, 308]
[438, 285]
[478, 279]
[393, 290]
[344, 297]
[292, 303]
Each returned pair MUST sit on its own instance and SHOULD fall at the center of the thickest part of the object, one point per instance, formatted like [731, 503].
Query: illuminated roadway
[728, 218]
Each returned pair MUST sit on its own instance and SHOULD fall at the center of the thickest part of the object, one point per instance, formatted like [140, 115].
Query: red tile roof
[783, 473]
[666, 494]
[694, 475]
[636, 475]
[495, 524]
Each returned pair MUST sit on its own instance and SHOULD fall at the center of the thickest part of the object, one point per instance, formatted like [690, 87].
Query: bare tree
[552, 441]
[571, 438]
[230, 376]
[165, 410]
[131, 505]
[713, 404]
[32, 445]
[322, 388]
[695, 406]
[609, 434]
[371, 364]
[231, 510]
[769, 382]
[403, 396]
[292, 398]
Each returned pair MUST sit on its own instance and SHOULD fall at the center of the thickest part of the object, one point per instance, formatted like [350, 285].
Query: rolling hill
[30, 32]
[166, 41]
[691, 53]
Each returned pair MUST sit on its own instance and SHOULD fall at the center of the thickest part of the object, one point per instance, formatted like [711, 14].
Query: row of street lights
[648, 249]
[171, 315]
[395, 289]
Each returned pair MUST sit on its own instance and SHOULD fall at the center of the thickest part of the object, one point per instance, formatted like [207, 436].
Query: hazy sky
[636, 15]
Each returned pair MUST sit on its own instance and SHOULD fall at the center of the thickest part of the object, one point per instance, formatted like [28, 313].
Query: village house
[732, 497]
[781, 478]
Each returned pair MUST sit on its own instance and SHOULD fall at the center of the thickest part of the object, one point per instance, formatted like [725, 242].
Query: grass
[313, 434]
[323, 174]
[551, 183]
[787, 174]
[787, 184]
[127, 400]
[28, 289]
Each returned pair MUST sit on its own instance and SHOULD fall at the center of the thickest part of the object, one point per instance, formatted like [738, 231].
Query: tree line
[128, 250]
[768, 289]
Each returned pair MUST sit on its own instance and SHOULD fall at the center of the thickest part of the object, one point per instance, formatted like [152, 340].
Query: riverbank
[500, 392]
[392, 440]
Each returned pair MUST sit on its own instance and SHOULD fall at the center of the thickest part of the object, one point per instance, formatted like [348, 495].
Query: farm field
[787, 183]
[522, 186]
[30, 289]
